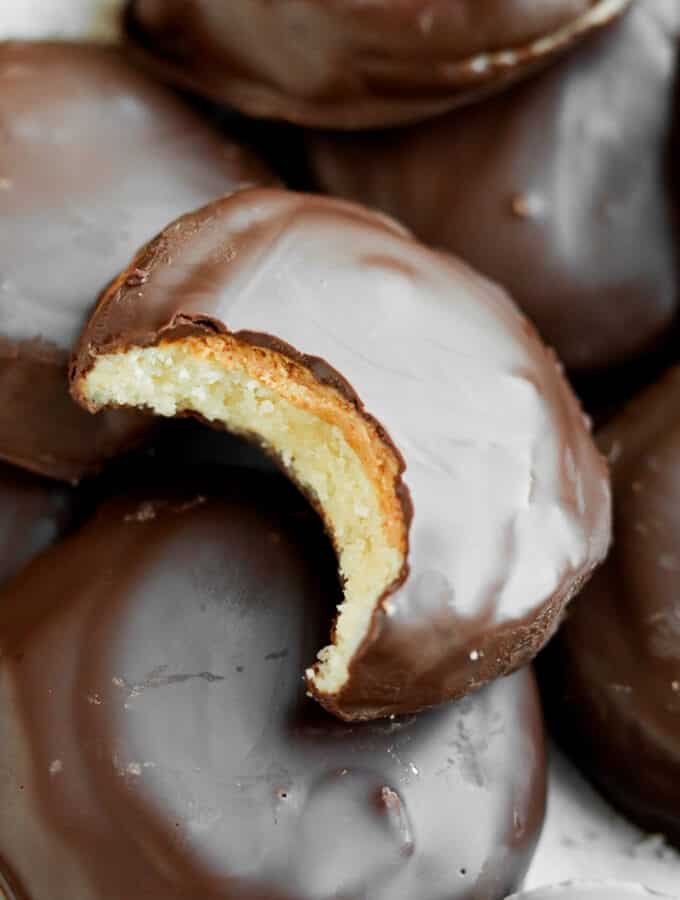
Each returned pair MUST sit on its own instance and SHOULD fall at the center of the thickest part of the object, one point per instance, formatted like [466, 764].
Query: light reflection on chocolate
[157, 740]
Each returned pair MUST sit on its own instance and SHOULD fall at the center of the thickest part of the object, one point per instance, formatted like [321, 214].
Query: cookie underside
[335, 454]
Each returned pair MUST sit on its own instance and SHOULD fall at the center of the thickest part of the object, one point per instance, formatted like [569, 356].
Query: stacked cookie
[289, 491]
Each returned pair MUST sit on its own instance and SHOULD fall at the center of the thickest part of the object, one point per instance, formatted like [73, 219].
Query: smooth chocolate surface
[612, 676]
[510, 498]
[94, 159]
[33, 514]
[558, 189]
[158, 743]
[355, 65]
[575, 890]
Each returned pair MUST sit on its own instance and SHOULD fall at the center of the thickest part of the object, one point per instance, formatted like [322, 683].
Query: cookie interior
[330, 449]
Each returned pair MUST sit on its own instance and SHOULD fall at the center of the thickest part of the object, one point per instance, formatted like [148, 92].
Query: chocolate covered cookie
[94, 159]
[612, 676]
[345, 64]
[559, 189]
[405, 395]
[157, 741]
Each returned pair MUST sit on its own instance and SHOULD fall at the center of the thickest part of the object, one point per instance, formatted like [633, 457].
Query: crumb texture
[329, 449]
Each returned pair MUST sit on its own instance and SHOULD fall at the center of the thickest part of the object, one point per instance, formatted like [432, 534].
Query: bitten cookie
[410, 401]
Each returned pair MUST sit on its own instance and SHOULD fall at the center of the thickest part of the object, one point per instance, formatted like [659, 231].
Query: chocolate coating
[510, 498]
[612, 677]
[558, 189]
[157, 741]
[94, 159]
[592, 890]
[345, 64]
[33, 514]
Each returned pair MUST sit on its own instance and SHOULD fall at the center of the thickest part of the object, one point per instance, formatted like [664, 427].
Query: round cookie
[410, 401]
[612, 676]
[157, 741]
[558, 189]
[349, 65]
[33, 514]
[590, 890]
[95, 159]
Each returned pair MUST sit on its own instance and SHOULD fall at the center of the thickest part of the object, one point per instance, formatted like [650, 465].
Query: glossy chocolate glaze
[94, 159]
[612, 677]
[33, 513]
[355, 65]
[510, 498]
[558, 189]
[591, 890]
[158, 743]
